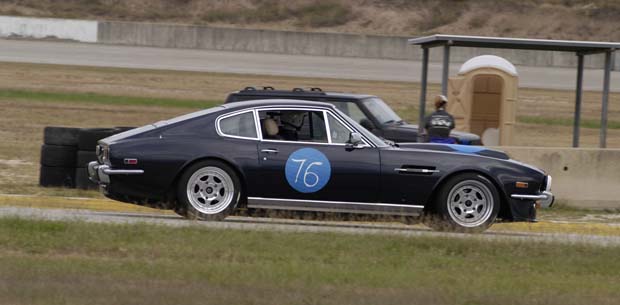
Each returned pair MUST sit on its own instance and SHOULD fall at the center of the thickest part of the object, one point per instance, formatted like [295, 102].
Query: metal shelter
[580, 48]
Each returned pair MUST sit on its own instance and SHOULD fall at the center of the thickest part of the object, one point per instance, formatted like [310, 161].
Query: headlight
[103, 154]
[548, 186]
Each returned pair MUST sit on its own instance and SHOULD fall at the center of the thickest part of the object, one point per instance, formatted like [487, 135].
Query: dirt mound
[549, 19]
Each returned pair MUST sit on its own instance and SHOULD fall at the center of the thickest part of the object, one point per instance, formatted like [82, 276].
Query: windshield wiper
[399, 122]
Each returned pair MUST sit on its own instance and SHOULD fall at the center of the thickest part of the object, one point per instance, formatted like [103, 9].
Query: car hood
[464, 149]
[461, 135]
[468, 149]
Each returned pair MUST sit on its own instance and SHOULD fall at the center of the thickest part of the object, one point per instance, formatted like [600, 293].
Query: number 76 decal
[307, 170]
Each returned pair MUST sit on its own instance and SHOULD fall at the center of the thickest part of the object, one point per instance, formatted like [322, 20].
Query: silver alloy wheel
[470, 203]
[210, 190]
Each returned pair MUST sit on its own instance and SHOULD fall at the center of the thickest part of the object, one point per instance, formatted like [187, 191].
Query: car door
[309, 161]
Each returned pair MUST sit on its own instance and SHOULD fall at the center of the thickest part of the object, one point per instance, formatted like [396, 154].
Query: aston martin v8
[309, 156]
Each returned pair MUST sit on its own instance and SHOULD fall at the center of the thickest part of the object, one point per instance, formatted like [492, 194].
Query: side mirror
[355, 141]
[366, 123]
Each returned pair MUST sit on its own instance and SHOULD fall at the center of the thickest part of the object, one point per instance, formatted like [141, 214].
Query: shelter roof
[515, 43]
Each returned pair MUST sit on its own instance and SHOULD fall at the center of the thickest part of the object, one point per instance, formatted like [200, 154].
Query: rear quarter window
[239, 125]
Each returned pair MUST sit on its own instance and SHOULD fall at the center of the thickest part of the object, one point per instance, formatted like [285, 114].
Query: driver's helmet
[294, 119]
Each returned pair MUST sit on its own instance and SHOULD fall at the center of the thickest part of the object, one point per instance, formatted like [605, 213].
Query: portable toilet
[482, 98]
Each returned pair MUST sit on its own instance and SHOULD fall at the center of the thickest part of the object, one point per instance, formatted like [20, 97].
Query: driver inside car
[291, 122]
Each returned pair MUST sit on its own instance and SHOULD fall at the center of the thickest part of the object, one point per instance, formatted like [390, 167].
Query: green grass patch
[585, 123]
[46, 262]
[96, 98]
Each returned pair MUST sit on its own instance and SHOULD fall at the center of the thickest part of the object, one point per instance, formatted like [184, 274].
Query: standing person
[439, 124]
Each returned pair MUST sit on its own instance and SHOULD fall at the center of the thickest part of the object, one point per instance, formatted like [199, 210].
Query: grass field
[43, 262]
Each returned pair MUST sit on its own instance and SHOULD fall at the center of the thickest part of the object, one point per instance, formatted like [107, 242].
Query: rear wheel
[465, 203]
[208, 190]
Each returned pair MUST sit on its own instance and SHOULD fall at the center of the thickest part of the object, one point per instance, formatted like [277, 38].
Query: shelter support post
[578, 95]
[604, 108]
[423, 83]
[446, 70]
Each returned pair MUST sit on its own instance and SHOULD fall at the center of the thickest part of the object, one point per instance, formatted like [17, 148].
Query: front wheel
[208, 190]
[465, 203]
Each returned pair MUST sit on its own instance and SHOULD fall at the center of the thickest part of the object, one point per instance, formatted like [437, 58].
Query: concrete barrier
[250, 40]
[79, 30]
[582, 177]
[319, 44]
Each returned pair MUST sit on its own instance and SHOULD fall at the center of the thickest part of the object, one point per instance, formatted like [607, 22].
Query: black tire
[88, 137]
[64, 136]
[209, 210]
[58, 156]
[82, 181]
[467, 202]
[83, 157]
[57, 176]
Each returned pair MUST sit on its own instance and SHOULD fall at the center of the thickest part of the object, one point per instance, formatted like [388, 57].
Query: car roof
[276, 102]
[349, 95]
[299, 93]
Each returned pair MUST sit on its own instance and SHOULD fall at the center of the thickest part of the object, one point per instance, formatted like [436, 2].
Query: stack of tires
[66, 152]
[58, 157]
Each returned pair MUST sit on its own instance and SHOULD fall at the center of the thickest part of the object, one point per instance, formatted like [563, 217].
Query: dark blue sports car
[308, 156]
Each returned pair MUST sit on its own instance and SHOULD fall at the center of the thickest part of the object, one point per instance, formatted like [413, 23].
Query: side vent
[416, 170]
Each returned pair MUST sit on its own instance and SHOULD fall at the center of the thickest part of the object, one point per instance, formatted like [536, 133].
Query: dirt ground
[22, 121]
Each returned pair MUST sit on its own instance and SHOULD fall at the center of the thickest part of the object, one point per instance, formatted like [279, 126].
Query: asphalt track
[69, 53]
[293, 225]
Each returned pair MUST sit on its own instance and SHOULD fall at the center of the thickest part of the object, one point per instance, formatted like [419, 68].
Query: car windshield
[376, 140]
[381, 111]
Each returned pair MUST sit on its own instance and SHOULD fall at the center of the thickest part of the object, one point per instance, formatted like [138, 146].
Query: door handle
[269, 151]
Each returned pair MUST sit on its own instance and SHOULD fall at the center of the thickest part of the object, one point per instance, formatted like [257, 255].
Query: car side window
[240, 125]
[339, 133]
[293, 125]
[351, 109]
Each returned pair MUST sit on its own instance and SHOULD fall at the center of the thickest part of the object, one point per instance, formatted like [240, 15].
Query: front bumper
[100, 173]
[545, 199]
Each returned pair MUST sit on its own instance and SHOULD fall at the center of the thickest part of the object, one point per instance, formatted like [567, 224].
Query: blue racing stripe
[467, 149]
